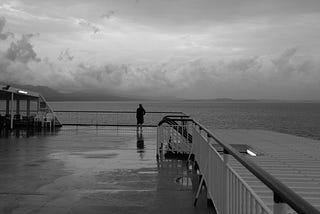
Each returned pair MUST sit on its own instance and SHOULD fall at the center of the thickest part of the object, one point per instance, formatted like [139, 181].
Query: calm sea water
[302, 119]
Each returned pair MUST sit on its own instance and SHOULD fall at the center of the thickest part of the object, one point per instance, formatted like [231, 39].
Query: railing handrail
[108, 111]
[281, 191]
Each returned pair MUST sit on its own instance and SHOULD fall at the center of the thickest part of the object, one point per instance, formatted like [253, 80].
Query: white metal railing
[171, 139]
[228, 191]
[45, 114]
[109, 118]
[39, 113]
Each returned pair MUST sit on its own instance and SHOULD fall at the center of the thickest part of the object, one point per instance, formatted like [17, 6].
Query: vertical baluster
[253, 205]
[215, 181]
[176, 137]
[226, 186]
[157, 151]
[186, 141]
[240, 197]
[220, 197]
[235, 194]
[170, 138]
[258, 208]
[117, 119]
[162, 143]
[231, 193]
[247, 201]
[78, 118]
[218, 183]
[165, 138]
[244, 201]
[229, 190]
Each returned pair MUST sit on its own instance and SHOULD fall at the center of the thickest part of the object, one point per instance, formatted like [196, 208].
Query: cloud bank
[262, 50]
[286, 75]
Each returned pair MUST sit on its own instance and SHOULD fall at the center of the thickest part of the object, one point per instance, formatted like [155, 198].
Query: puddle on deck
[106, 159]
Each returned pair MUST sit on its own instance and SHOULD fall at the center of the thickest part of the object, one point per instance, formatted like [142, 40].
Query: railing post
[226, 182]
[96, 120]
[279, 207]
[209, 201]
[158, 130]
[11, 118]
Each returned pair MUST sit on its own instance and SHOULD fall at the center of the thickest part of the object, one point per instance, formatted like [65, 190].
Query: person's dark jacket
[140, 113]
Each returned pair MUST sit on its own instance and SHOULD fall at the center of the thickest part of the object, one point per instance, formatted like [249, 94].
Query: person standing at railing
[139, 115]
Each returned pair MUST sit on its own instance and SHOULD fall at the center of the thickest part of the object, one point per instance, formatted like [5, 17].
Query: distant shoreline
[53, 95]
[190, 100]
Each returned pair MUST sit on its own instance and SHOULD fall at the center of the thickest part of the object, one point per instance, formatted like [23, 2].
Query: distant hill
[54, 95]
[234, 100]
[226, 100]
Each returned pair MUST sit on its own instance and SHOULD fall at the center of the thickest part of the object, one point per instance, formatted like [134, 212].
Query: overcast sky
[242, 49]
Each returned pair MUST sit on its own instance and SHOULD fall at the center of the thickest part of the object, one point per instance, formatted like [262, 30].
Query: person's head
[140, 105]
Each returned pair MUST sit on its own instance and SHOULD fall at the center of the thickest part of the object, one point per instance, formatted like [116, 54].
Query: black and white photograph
[160, 106]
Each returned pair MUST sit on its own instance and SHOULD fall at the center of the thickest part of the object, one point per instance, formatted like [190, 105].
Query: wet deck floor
[89, 170]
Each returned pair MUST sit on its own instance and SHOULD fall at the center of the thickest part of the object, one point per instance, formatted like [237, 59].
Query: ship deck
[92, 170]
[114, 170]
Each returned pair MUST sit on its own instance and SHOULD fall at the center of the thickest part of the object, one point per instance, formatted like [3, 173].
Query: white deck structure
[295, 161]
[36, 108]
[248, 171]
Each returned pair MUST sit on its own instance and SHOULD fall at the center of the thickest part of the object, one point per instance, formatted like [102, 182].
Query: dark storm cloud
[191, 48]
[187, 12]
[22, 50]
[4, 35]
[108, 15]
[89, 25]
[108, 76]
[65, 55]
[241, 78]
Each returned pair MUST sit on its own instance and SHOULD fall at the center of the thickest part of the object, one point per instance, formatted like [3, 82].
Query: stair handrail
[55, 118]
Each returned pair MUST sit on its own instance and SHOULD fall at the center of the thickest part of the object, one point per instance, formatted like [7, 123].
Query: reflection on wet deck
[92, 170]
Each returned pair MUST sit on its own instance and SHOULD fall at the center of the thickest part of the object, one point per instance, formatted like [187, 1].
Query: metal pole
[38, 105]
[18, 107]
[11, 118]
[7, 106]
[158, 141]
[28, 108]
[209, 201]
